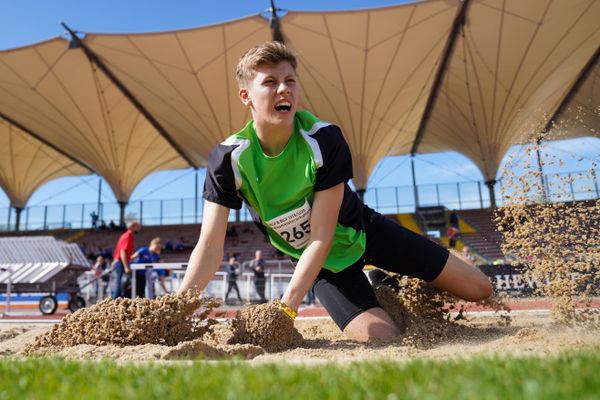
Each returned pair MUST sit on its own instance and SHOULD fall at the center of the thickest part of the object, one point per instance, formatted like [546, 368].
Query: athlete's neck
[273, 138]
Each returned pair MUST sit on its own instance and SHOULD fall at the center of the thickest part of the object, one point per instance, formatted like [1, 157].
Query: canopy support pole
[361, 194]
[457, 25]
[18, 211]
[275, 25]
[541, 171]
[99, 212]
[414, 180]
[490, 184]
[8, 222]
[585, 71]
[122, 205]
[136, 103]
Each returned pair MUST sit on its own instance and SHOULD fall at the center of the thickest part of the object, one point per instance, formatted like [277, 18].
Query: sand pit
[141, 330]
[528, 334]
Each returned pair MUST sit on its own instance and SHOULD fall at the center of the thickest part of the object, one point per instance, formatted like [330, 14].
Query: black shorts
[391, 247]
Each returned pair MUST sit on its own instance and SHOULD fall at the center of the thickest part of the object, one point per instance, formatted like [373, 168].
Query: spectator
[232, 234]
[83, 247]
[100, 270]
[233, 269]
[146, 278]
[258, 267]
[111, 225]
[94, 217]
[106, 253]
[453, 235]
[180, 245]
[169, 246]
[454, 220]
[103, 225]
[468, 255]
[122, 258]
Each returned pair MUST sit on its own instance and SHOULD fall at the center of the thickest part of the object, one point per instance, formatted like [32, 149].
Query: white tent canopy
[513, 64]
[436, 75]
[60, 95]
[27, 163]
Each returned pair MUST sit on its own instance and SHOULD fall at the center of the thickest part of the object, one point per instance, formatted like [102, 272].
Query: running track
[32, 315]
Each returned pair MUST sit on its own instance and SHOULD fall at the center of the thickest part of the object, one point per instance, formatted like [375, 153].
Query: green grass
[573, 375]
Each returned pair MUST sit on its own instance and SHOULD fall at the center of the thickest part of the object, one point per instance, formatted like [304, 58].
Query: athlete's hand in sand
[286, 309]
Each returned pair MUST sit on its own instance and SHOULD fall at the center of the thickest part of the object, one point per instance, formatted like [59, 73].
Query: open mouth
[283, 106]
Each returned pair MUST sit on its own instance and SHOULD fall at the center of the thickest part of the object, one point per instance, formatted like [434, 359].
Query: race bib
[293, 226]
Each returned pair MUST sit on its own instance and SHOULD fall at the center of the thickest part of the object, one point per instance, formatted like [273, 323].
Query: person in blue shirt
[150, 255]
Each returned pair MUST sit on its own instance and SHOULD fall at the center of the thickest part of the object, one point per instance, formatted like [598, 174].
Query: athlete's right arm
[208, 253]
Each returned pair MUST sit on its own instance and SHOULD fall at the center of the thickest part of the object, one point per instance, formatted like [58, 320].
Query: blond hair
[270, 53]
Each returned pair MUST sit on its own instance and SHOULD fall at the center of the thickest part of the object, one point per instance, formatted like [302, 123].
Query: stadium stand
[483, 239]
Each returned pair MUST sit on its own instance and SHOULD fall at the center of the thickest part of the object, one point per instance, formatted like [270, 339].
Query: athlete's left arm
[323, 219]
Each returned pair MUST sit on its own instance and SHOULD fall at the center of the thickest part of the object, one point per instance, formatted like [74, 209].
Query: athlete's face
[272, 94]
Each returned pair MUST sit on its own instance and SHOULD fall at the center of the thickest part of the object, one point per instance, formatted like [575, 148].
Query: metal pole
[8, 222]
[437, 193]
[458, 193]
[134, 283]
[414, 180]
[18, 211]
[480, 196]
[377, 200]
[541, 171]
[27, 216]
[8, 289]
[122, 205]
[490, 184]
[247, 287]
[596, 183]
[45, 217]
[64, 218]
[361, 194]
[99, 198]
[181, 209]
[571, 187]
[141, 211]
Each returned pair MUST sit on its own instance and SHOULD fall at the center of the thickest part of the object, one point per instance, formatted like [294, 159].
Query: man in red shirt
[122, 257]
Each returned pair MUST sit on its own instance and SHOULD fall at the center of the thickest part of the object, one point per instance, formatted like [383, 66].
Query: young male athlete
[291, 170]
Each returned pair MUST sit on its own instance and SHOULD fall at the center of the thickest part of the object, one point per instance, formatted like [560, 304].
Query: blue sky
[27, 21]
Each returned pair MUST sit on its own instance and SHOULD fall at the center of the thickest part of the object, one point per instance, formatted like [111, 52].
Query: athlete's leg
[350, 300]
[372, 324]
[394, 248]
[463, 280]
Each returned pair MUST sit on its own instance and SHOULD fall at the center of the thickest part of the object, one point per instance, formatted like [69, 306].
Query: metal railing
[387, 200]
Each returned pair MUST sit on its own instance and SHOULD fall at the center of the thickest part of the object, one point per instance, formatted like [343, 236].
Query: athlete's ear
[245, 96]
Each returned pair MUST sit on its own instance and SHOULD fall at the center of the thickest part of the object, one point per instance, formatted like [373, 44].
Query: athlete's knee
[374, 324]
[480, 290]
[374, 331]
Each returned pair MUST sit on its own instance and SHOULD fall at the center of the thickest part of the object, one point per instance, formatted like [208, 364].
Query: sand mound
[143, 329]
[423, 312]
[265, 325]
[130, 322]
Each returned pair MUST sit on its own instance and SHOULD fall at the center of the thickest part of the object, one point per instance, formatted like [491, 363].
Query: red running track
[33, 315]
